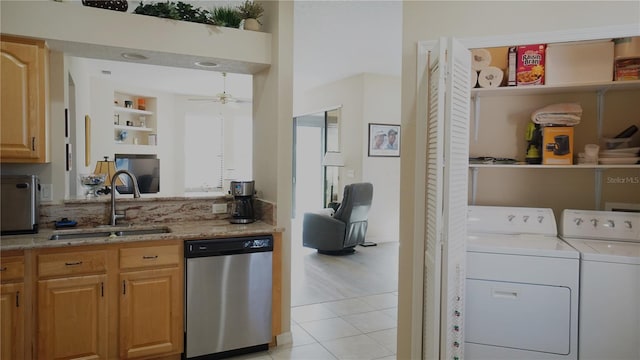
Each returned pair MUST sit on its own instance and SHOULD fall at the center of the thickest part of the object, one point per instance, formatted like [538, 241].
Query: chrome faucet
[136, 194]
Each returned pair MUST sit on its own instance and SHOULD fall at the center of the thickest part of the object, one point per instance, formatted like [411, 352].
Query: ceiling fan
[224, 97]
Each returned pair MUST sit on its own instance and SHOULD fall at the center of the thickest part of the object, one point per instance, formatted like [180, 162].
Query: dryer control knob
[609, 224]
[628, 225]
[578, 221]
[594, 222]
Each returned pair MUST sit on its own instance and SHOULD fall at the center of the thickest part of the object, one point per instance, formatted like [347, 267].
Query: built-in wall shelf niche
[134, 119]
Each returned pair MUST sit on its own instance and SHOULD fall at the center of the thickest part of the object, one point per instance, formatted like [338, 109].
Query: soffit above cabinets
[104, 34]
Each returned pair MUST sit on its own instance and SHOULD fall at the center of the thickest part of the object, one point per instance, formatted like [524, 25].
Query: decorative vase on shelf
[251, 24]
[92, 182]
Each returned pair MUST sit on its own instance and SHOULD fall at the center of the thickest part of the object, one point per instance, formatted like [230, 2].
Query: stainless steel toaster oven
[20, 199]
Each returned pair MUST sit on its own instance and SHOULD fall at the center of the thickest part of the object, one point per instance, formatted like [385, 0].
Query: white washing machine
[521, 299]
[609, 244]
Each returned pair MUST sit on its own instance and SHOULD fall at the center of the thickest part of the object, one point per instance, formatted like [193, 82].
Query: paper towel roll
[474, 78]
[480, 59]
[627, 47]
[490, 77]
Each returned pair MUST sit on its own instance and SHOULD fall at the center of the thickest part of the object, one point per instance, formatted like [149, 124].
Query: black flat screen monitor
[146, 168]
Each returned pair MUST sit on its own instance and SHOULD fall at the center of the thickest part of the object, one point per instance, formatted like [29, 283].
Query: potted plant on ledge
[226, 16]
[250, 12]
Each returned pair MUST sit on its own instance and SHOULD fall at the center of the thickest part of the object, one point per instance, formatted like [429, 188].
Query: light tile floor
[346, 323]
[340, 330]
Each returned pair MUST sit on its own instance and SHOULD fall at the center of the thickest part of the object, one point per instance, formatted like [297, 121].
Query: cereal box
[530, 65]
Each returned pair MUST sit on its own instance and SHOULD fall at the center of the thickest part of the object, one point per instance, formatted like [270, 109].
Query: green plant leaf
[226, 16]
[250, 10]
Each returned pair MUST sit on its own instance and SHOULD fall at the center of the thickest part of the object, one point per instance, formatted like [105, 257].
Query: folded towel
[565, 114]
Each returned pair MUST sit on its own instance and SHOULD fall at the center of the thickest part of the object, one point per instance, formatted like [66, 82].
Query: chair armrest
[322, 232]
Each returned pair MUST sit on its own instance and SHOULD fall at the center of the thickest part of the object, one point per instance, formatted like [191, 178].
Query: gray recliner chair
[341, 232]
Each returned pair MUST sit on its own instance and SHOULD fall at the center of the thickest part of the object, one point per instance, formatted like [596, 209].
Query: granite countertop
[178, 231]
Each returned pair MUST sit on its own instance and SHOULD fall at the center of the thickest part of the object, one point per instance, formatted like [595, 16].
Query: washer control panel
[511, 220]
[601, 225]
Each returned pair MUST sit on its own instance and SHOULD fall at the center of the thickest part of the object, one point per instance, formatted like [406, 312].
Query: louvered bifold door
[456, 163]
[434, 195]
[447, 133]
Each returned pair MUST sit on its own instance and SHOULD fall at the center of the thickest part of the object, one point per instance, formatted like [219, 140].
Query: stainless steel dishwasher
[228, 296]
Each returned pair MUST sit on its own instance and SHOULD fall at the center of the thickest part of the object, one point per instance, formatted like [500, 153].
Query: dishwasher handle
[229, 246]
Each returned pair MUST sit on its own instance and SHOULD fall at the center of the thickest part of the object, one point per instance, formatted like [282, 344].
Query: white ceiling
[337, 39]
[332, 40]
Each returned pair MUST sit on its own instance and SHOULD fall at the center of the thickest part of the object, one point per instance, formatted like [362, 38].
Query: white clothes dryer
[521, 299]
[609, 244]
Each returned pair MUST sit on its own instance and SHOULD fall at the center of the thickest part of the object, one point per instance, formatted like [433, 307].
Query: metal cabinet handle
[73, 263]
[149, 257]
[4, 269]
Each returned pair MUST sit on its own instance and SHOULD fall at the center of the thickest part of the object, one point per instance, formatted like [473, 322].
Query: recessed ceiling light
[134, 56]
[106, 72]
[206, 64]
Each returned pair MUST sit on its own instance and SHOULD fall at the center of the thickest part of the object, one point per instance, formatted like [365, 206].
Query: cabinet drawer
[71, 263]
[149, 256]
[11, 268]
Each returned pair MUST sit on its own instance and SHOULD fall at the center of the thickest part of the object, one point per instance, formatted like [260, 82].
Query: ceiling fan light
[206, 64]
[134, 56]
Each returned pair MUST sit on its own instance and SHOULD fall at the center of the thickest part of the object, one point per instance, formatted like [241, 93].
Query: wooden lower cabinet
[72, 318]
[120, 301]
[12, 307]
[151, 313]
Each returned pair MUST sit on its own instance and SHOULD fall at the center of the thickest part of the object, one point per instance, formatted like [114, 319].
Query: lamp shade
[109, 168]
[333, 158]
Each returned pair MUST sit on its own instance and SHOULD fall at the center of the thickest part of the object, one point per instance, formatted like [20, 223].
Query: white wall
[364, 99]
[427, 21]
[382, 105]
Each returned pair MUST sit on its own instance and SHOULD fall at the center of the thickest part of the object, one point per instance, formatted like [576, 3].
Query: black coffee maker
[242, 207]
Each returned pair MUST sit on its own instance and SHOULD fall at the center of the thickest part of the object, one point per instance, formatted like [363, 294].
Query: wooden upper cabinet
[23, 66]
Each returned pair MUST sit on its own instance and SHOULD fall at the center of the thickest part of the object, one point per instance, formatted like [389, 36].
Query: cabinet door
[72, 315]
[151, 313]
[12, 325]
[22, 117]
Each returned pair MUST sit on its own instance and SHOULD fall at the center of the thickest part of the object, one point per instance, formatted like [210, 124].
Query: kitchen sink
[105, 232]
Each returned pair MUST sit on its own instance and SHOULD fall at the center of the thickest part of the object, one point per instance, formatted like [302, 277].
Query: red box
[530, 65]
[627, 69]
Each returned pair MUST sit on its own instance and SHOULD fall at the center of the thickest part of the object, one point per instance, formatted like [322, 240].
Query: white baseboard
[284, 339]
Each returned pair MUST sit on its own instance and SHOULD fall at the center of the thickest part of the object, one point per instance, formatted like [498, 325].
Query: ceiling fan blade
[242, 101]
[204, 99]
[224, 97]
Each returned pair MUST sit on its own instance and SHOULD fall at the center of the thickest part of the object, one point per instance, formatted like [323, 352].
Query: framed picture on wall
[384, 140]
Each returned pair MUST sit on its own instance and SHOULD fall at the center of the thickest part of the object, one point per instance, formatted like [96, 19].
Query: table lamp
[332, 159]
[109, 168]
